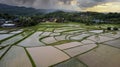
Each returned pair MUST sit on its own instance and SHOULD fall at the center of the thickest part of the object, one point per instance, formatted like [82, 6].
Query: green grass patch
[41, 29]
[49, 30]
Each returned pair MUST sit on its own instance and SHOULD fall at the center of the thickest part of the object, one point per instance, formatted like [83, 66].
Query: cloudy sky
[77, 5]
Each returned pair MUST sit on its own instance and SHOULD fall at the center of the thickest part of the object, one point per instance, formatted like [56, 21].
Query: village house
[2, 21]
[8, 24]
[97, 21]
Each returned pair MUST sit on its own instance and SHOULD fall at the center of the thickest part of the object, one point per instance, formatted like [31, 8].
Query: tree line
[81, 17]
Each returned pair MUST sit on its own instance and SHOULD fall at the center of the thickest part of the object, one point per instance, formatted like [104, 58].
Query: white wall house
[8, 25]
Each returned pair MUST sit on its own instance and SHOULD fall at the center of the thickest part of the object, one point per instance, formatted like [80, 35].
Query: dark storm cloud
[66, 1]
[18, 2]
[55, 3]
[25, 1]
[34, 1]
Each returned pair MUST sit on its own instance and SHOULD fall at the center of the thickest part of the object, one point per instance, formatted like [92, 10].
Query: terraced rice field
[59, 45]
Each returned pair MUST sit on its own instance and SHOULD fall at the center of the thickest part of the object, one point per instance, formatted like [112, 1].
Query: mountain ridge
[16, 10]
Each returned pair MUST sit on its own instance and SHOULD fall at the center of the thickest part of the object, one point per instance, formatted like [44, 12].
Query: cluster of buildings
[53, 20]
[7, 23]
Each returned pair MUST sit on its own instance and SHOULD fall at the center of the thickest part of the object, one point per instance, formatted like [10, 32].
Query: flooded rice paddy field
[59, 45]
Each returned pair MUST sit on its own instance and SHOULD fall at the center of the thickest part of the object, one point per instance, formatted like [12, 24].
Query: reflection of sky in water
[2, 36]
[97, 38]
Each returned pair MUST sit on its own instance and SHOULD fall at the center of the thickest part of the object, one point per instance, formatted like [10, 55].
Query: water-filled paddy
[15, 57]
[80, 49]
[79, 37]
[3, 50]
[12, 40]
[68, 45]
[87, 41]
[3, 36]
[60, 45]
[71, 63]
[61, 37]
[49, 40]
[114, 43]
[15, 32]
[103, 56]
[47, 56]
[96, 31]
[112, 34]
[100, 39]
[32, 41]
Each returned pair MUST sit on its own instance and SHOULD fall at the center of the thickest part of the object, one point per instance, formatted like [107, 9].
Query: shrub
[108, 28]
[115, 28]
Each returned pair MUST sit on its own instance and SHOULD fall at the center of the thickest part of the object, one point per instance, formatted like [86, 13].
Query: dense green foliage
[88, 18]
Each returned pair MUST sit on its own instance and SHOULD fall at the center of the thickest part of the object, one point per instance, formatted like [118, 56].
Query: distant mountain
[15, 10]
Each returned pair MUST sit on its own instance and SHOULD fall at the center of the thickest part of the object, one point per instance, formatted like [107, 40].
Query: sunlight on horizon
[107, 7]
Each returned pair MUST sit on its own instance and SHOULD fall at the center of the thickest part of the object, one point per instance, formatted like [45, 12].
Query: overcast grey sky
[58, 4]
